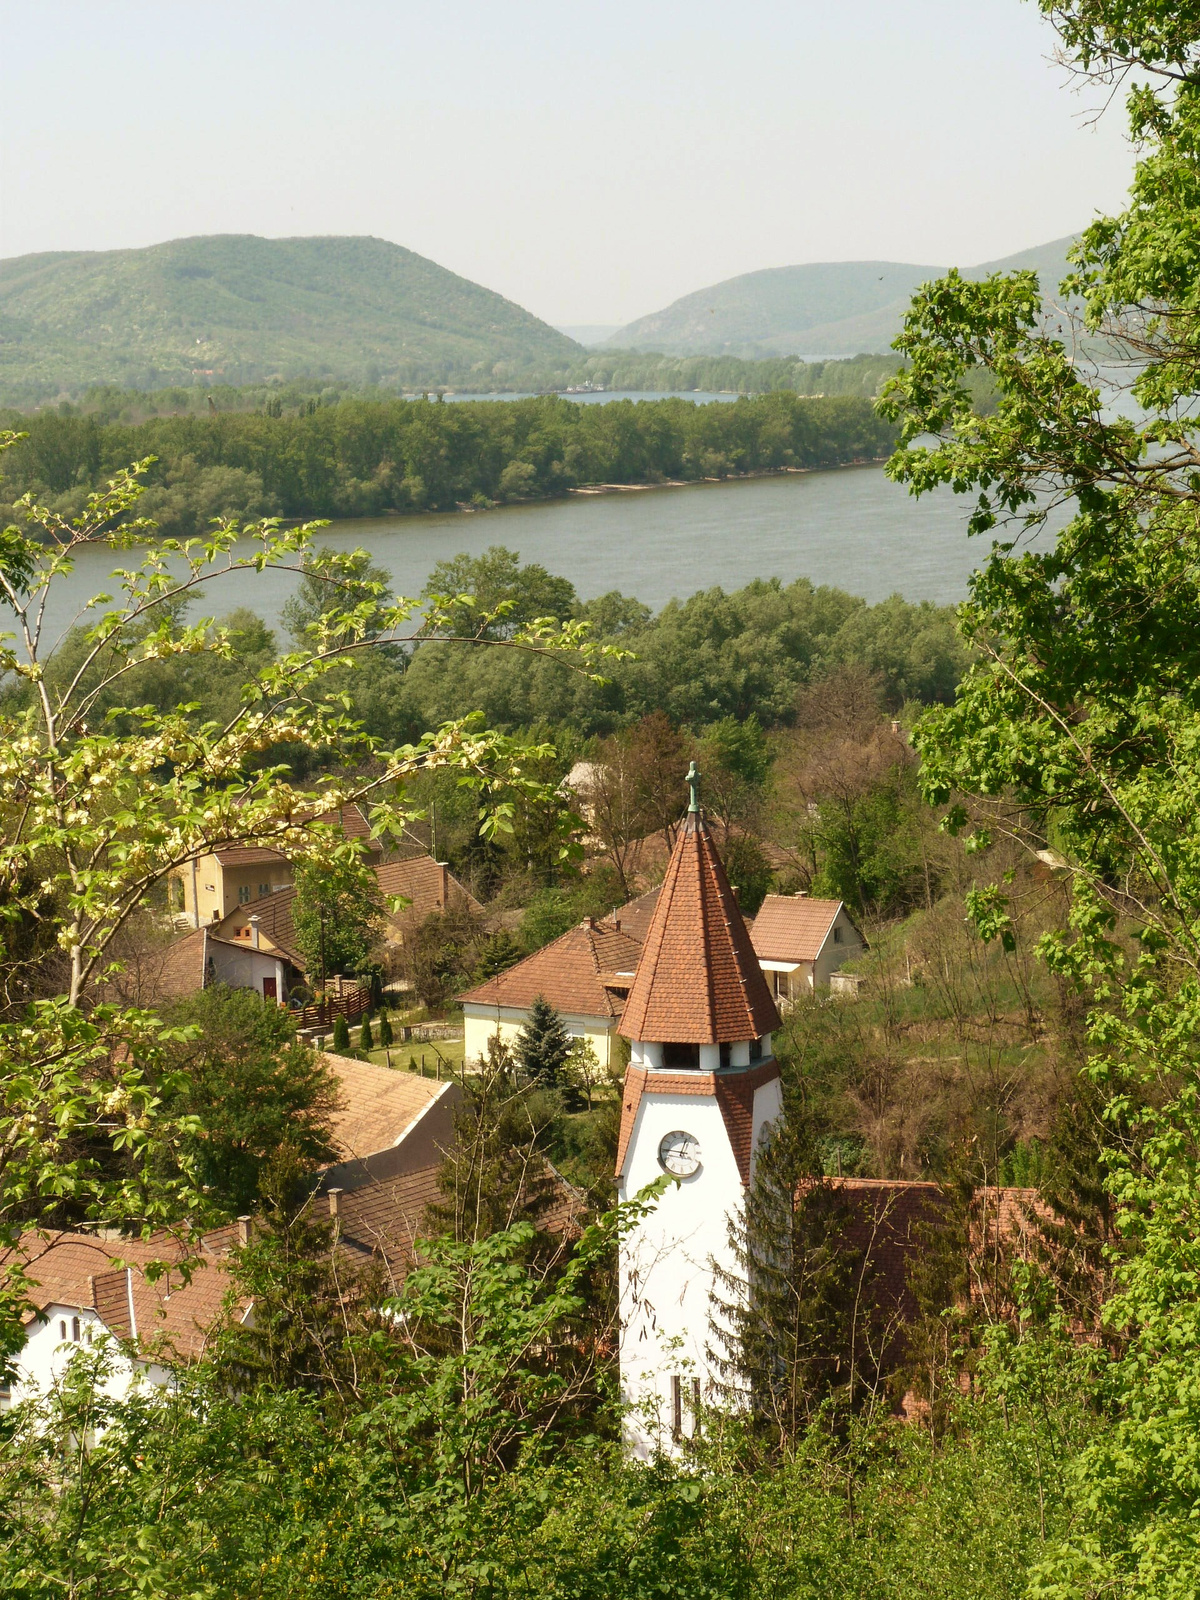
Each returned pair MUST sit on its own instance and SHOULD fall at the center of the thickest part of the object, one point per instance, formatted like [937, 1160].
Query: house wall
[480, 1023]
[667, 1275]
[842, 944]
[46, 1354]
[217, 888]
[246, 969]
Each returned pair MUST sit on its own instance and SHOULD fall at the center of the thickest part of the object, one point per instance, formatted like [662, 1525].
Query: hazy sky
[591, 162]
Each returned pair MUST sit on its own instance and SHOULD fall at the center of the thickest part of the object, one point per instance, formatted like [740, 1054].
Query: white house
[801, 942]
[585, 974]
[701, 1089]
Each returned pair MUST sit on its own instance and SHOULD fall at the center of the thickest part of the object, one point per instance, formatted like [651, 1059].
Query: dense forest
[364, 458]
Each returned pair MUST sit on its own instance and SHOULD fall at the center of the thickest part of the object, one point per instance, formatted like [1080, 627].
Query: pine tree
[341, 1036]
[366, 1039]
[385, 1031]
[543, 1044]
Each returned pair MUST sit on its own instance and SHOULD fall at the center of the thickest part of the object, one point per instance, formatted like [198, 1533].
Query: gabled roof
[275, 925]
[792, 927]
[77, 1270]
[635, 917]
[427, 885]
[585, 972]
[349, 819]
[377, 1106]
[698, 980]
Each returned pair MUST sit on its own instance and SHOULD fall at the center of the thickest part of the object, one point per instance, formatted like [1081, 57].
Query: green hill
[827, 308]
[235, 308]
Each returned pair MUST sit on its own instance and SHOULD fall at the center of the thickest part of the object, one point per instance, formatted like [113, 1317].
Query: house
[801, 942]
[387, 1123]
[428, 886]
[203, 957]
[215, 884]
[80, 1295]
[585, 974]
[391, 1132]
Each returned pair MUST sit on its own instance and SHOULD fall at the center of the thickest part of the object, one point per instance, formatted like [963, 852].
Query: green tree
[543, 1044]
[337, 913]
[251, 1087]
[1077, 731]
[366, 1039]
[341, 1035]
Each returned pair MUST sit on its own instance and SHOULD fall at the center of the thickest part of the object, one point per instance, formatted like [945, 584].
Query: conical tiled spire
[698, 980]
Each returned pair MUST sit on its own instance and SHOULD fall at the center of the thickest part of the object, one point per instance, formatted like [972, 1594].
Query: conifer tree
[385, 1031]
[543, 1044]
[341, 1036]
[366, 1039]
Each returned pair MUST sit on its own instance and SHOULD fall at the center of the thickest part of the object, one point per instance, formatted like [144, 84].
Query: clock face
[679, 1154]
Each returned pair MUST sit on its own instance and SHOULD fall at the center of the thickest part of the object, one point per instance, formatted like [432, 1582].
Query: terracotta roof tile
[792, 927]
[377, 1105]
[636, 917]
[698, 980]
[426, 884]
[75, 1269]
[584, 972]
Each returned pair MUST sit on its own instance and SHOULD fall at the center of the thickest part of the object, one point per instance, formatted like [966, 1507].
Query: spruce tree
[385, 1031]
[366, 1038]
[543, 1044]
[341, 1036]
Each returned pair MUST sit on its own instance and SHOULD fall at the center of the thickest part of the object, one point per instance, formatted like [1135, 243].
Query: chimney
[243, 1230]
[335, 1200]
[254, 931]
[617, 924]
[591, 922]
[91, 1291]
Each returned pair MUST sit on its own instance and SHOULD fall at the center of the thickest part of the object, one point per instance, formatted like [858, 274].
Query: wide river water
[849, 527]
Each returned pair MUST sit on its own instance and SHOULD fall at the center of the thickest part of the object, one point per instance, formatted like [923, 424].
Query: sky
[591, 162]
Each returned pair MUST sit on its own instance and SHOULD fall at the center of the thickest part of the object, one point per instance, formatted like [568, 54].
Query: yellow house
[218, 883]
[585, 975]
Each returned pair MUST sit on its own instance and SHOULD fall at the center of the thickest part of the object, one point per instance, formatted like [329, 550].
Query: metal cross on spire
[693, 783]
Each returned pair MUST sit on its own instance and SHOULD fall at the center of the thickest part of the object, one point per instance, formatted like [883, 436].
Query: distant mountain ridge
[237, 308]
[822, 309]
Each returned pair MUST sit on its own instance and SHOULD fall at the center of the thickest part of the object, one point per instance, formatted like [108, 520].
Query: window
[62, 1331]
[264, 890]
[837, 934]
[756, 1049]
[681, 1055]
[726, 1054]
[244, 894]
[75, 1329]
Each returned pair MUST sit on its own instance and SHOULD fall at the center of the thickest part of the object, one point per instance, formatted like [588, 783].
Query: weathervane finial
[693, 783]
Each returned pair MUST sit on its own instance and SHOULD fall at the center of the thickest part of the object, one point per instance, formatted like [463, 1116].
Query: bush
[341, 1036]
[385, 1031]
[366, 1040]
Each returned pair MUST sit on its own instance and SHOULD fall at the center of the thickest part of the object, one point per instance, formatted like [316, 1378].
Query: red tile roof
[636, 917]
[426, 884]
[698, 980]
[792, 927]
[349, 819]
[76, 1269]
[585, 972]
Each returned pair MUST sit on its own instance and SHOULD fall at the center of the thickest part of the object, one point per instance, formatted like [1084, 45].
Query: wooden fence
[350, 1004]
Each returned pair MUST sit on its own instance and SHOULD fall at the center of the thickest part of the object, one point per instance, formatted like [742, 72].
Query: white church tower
[701, 1088]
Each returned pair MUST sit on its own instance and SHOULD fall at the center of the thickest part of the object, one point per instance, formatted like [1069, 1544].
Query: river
[849, 527]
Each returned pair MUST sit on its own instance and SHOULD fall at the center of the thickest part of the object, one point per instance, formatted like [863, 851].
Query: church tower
[701, 1088]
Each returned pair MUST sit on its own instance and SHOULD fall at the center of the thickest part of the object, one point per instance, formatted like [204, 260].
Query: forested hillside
[360, 458]
[235, 308]
[828, 308]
